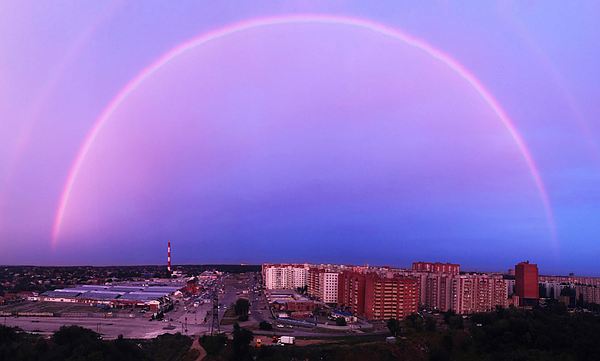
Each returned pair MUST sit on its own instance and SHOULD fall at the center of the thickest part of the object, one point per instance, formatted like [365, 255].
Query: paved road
[259, 307]
[107, 327]
[196, 346]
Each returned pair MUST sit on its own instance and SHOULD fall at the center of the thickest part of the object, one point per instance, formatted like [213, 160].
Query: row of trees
[549, 333]
[78, 343]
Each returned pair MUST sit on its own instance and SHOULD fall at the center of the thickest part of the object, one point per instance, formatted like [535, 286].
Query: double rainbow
[217, 34]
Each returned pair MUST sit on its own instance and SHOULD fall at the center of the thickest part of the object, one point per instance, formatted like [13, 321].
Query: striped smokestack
[169, 256]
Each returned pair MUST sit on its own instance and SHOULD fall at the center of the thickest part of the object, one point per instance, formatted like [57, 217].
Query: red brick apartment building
[436, 267]
[526, 283]
[378, 297]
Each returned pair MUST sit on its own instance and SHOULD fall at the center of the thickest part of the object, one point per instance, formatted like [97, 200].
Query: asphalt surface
[108, 328]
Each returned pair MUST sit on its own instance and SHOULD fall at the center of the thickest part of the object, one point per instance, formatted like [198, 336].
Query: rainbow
[558, 79]
[217, 34]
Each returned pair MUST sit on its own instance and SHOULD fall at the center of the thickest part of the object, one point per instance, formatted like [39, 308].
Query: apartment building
[473, 293]
[323, 284]
[285, 276]
[527, 283]
[378, 296]
[436, 267]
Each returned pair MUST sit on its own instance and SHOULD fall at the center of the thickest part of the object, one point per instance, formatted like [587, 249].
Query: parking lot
[66, 309]
[188, 317]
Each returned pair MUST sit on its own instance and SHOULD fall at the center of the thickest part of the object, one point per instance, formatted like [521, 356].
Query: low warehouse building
[154, 297]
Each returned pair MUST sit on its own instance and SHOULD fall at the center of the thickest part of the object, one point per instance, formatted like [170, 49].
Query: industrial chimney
[169, 256]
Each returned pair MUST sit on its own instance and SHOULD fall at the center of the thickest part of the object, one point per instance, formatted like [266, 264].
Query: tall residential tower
[526, 283]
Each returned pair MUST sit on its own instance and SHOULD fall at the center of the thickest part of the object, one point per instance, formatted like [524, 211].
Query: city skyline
[332, 133]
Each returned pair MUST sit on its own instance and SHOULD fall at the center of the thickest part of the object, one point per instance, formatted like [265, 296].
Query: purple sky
[310, 141]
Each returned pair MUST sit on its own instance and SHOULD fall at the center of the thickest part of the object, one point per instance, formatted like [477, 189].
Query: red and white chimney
[169, 256]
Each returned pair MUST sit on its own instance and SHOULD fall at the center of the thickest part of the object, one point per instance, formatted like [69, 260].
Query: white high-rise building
[323, 284]
[329, 292]
[285, 276]
[300, 275]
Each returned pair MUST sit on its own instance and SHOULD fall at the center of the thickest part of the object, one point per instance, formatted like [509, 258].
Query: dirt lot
[65, 309]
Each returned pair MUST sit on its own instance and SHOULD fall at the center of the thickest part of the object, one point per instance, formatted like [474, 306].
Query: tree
[241, 307]
[78, 343]
[430, 324]
[415, 322]
[7, 334]
[213, 344]
[241, 343]
[394, 326]
[580, 301]
[542, 291]
[438, 354]
[448, 341]
[265, 326]
[74, 335]
[453, 320]
[448, 315]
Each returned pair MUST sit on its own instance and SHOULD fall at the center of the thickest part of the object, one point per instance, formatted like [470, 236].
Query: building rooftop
[141, 296]
[126, 292]
[61, 293]
[97, 295]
